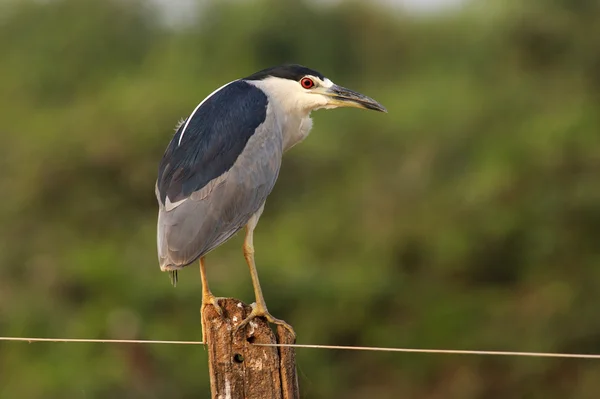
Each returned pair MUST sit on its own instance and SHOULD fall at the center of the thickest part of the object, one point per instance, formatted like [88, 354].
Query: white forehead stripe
[198, 107]
[327, 83]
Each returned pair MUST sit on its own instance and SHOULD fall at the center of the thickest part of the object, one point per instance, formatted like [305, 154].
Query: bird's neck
[290, 107]
[295, 129]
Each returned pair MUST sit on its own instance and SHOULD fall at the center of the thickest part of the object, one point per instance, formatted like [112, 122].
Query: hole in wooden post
[251, 339]
[238, 358]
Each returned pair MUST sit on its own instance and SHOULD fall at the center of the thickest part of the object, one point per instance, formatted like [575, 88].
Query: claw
[261, 311]
[213, 300]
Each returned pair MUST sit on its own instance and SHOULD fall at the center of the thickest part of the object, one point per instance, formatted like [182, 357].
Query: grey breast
[198, 213]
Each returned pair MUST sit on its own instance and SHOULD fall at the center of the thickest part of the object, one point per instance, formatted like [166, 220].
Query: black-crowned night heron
[224, 160]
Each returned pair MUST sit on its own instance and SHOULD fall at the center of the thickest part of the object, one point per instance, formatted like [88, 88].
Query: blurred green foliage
[468, 217]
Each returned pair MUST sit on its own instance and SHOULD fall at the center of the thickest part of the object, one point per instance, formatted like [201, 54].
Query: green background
[468, 217]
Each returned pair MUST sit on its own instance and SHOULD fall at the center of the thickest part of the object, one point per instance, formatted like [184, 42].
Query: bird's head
[300, 89]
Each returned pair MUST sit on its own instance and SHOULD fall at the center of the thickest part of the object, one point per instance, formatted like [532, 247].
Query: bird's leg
[207, 299]
[259, 308]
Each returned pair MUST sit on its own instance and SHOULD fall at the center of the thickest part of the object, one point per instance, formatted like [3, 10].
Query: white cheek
[305, 100]
[320, 102]
[301, 100]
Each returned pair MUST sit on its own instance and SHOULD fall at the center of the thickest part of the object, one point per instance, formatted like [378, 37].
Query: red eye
[307, 83]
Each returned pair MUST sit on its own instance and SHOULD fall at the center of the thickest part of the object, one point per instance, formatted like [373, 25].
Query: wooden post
[240, 370]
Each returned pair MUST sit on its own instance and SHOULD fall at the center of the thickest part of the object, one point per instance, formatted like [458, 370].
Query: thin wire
[336, 347]
[442, 351]
[103, 341]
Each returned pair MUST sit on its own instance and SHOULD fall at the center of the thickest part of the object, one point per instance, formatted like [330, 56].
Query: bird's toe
[214, 301]
[261, 311]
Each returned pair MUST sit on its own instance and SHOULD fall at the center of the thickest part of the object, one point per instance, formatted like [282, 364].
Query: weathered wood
[240, 370]
[287, 364]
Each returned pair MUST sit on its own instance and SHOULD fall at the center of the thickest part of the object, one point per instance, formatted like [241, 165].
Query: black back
[288, 71]
[214, 138]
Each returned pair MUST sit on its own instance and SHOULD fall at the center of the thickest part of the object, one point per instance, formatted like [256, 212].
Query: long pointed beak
[342, 97]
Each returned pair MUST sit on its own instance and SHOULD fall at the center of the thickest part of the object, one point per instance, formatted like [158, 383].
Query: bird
[223, 161]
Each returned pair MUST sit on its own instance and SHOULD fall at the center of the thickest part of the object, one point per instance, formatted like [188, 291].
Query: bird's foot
[209, 299]
[260, 310]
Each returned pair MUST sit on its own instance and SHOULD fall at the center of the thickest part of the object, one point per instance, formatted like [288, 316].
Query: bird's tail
[173, 277]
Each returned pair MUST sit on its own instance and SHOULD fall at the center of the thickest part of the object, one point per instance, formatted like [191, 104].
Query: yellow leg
[259, 308]
[207, 298]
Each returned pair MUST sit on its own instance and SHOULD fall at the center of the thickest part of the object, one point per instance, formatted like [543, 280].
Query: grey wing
[194, 226]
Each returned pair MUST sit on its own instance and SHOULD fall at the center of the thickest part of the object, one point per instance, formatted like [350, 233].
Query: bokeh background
[468, 217]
